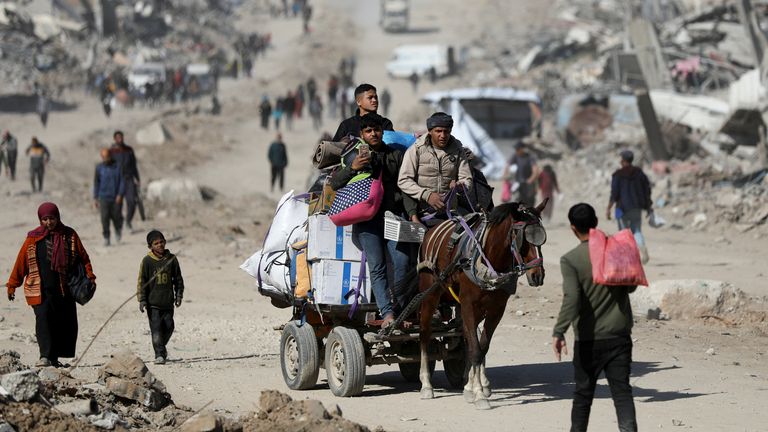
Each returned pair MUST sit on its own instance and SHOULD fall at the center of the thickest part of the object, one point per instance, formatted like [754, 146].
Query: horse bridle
[516, 237]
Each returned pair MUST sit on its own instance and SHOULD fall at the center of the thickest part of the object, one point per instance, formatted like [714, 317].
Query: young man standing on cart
[377, 158]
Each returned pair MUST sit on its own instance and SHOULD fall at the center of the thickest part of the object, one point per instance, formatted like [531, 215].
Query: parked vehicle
[421, 59]
[394, 15]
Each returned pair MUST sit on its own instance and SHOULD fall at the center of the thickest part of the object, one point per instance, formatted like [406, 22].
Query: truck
[394, 15]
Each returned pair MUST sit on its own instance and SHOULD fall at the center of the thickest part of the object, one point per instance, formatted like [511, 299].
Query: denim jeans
[370, 236]
[633, 219]
[590, 358]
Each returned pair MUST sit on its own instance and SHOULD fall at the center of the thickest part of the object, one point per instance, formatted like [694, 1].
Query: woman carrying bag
[50, 264]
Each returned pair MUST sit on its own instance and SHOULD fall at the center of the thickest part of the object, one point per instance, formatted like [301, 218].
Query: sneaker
[43, 362]
[159, 360]
[129, 226]
[106, 241]
[118, 237]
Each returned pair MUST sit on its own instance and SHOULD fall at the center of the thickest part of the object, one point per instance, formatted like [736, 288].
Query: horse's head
[525, 235]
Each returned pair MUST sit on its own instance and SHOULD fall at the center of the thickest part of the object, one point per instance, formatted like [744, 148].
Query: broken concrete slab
[150, 398]
[153, 134]
[174, 191]
[21, 386]
[205, 421]
[686, 299]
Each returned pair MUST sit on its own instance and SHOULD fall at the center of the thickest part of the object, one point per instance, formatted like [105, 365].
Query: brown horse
[482, 273]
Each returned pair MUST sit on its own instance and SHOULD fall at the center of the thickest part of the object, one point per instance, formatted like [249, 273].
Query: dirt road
[224, 348]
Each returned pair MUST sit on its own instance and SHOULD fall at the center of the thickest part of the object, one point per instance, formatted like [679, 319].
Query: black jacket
[390, 160]
[351, 126]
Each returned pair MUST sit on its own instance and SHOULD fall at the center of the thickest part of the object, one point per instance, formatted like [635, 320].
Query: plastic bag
[615, 259]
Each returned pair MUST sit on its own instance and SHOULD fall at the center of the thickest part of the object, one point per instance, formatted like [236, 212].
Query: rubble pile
[127, 396]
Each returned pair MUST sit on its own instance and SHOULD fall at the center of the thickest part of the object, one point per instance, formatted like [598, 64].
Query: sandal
[387, 320]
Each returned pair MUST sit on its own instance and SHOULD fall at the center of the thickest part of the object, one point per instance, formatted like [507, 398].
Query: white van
[422, 59]
[144, 73]
[394, 15]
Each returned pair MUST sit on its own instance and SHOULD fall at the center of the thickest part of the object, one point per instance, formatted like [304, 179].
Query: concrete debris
[10, 362]
[205, 421]
[107, 420]
[174, 191]
[153, 134]
[21, 386]
[5, 427]
[127, 376]
[688, 299]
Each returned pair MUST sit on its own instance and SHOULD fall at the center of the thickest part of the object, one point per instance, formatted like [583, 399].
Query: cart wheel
[299, 356]
[410, 371]
[345, 362]
[454, 368]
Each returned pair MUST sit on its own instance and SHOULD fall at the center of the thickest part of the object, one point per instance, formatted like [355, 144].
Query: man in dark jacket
[160, 288]
[108, 191]
[367, 102]
[9, 152]
[39, 156]
[383, 160]
[278, 159]
[602, 325]
[123, 154]
[631, 193]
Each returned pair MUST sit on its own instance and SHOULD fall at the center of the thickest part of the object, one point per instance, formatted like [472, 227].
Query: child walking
[160, 287]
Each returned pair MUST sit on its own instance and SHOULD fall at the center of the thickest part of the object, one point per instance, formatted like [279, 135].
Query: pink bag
[615, 259]
[357, 202]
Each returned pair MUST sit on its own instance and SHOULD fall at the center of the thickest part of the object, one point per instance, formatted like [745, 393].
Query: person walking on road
[39, 156]
[414, 79]
[631, 193]
[9, 152]
[48, 254]
[549, 187]
[602, 324]
[43, 106]
[526, 175]
[108, 190]
[160, 288]
[123, 154]
[386, 99]
[278, 159]
[265, 111]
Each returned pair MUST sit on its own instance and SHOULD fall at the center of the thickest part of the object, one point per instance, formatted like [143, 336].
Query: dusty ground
[224, 348]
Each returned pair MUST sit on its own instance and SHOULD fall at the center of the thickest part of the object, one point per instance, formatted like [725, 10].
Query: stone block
[22, 386]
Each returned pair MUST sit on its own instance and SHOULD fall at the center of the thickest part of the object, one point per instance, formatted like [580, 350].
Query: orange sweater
[26, 271]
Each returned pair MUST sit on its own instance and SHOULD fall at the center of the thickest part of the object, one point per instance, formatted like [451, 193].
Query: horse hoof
[482, 404]
[469, 396]
[487, 392]
[427, 393]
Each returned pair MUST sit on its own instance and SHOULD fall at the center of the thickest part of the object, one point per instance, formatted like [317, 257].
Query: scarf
[58, 250]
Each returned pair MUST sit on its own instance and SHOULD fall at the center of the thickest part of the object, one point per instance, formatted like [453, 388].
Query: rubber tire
[454, 369]
[304, 341]
[410, 371]
[345, 362]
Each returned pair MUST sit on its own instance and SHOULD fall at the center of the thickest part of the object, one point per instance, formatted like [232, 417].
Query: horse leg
[492, 319]
[428, 307]
[473, 390]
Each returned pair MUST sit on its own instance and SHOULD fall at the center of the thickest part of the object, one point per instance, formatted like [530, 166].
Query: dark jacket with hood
[351, 126]
[630, 189]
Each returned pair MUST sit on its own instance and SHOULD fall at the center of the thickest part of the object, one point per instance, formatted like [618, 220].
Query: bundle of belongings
[306, 256]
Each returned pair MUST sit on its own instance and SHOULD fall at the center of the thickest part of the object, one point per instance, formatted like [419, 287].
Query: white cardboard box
[333, 279]
[327, 241]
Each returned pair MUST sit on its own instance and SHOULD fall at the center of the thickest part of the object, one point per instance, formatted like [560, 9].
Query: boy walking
[160, 288]
[602, 324]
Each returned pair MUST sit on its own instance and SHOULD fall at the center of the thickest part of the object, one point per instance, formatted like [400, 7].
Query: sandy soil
[224, 348]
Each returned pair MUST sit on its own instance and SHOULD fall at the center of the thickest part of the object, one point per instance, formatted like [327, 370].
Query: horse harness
[468, 237]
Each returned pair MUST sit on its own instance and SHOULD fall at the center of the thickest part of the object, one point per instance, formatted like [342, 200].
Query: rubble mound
[693, 299]
[9, 362]
[25, 416]
[280, 413]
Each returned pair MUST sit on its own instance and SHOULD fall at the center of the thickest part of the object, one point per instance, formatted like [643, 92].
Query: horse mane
[502, 211]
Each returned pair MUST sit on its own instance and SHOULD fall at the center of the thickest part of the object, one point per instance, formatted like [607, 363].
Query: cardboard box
[332, 280]
[327, 241]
